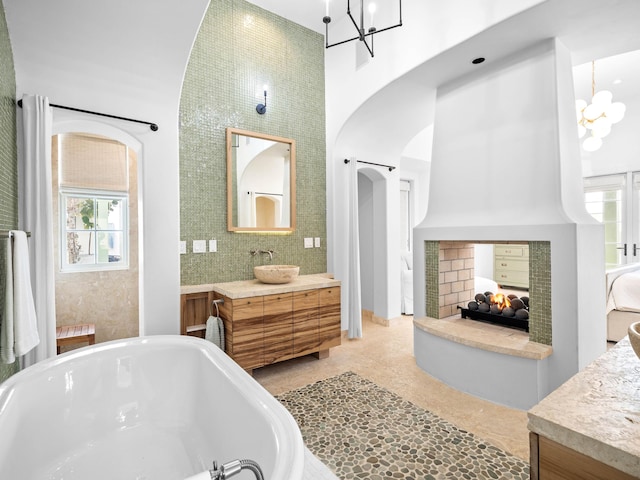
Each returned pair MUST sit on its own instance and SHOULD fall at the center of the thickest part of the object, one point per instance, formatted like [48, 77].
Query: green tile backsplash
[8, 158]
[540, 292]
[432, 278]
[239, 48]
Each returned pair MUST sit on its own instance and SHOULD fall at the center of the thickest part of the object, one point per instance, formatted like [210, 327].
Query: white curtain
[36, 216]
[355, 301]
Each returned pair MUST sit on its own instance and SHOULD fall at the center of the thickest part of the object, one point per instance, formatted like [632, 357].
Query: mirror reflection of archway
[266, 212]
[264, 179]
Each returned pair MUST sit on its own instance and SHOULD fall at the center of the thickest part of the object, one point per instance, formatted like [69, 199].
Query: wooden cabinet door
[329, 329]
[278, 327]
[247, 332]
[553, 461]
[305, 322]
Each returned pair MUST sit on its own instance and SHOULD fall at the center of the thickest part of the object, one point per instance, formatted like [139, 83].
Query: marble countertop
[597, 411]
[254, 288]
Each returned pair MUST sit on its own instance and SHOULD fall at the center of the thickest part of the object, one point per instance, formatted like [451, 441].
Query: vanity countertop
[254, 288]
[597, 411]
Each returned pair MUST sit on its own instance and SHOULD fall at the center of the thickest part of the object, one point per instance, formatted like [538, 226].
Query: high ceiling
[619, 73]
[307, 13]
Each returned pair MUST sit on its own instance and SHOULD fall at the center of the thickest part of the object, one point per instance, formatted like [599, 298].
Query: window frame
[95, 194]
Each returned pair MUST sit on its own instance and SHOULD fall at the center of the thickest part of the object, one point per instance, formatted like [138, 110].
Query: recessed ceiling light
[617, 81]
[478, 60]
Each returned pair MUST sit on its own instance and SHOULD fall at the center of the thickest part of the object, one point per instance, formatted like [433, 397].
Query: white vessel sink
[276, 273]
[634, 337]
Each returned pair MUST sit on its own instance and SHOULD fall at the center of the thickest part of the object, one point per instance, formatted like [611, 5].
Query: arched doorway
[376, 234]
[96, 236]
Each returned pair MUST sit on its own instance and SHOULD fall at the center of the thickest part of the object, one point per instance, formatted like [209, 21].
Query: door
[614, 200]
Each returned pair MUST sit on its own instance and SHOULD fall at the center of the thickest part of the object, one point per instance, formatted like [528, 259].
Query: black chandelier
[362, 32]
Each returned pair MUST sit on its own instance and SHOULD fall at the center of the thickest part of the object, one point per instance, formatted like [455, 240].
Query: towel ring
[215, 304]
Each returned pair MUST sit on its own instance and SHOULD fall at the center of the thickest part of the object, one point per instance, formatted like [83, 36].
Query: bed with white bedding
[623, 300]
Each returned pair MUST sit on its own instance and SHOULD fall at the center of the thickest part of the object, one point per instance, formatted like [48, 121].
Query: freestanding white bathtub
[156, 408]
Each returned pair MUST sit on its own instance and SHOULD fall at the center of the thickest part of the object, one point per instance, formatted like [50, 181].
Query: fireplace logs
[508, 310]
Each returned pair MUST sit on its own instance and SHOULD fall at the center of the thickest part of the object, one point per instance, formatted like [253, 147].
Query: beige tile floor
[385, 356]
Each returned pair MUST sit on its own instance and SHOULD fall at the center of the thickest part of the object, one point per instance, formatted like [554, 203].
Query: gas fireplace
[499, 308]
[450, 274]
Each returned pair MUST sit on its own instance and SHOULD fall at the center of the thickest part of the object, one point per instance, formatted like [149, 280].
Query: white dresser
[511, 265]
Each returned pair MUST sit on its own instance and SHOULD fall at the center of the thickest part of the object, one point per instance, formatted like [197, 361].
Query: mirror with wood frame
[261, 182]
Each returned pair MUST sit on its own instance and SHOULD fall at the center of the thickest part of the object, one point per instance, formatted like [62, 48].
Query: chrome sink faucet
[253, 253]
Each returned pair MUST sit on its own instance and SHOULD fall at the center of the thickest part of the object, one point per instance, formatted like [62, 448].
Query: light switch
[213, 245]
[183, 247]
[308, 243]
[199, 246]
[316, 242]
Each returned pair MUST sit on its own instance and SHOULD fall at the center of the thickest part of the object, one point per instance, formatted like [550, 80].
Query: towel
[7, 355]
[19, 326]
[215, 331]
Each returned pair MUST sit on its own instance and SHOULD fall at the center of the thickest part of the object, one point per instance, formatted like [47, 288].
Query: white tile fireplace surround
[506, 168]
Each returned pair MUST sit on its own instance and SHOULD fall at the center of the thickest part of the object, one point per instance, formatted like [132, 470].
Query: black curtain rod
[152, 126]
[391, 168]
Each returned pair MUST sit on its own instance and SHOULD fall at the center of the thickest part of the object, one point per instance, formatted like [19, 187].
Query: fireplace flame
[501, 300]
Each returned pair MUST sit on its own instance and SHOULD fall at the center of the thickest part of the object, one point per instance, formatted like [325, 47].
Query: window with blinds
[94, 186]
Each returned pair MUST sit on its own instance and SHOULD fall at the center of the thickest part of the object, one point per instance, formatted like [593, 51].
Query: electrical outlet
[183, 247]
[308, 243]
[316, 242]
[199, 246]
[213, 245]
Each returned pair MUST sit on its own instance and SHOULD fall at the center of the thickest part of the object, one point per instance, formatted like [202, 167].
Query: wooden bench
[71, 334]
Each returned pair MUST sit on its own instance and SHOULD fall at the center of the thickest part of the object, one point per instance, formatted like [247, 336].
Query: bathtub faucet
[230, 469]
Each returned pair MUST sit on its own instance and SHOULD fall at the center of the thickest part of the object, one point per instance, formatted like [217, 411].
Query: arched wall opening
[374, 188]
[86, 297]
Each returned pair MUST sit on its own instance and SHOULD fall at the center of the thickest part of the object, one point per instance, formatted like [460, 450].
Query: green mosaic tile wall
[540, 292]
[239, 48]
[8, 157]
[432, 278]
[539, 287]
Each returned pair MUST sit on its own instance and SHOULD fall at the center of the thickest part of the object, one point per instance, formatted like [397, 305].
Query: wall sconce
[261, 108]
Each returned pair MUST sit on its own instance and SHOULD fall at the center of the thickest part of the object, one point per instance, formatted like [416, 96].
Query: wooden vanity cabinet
[278, 327]
[266, 329]
[244, 330]
[305, 322]
[195, 308]
[329, 328]
[553, 461]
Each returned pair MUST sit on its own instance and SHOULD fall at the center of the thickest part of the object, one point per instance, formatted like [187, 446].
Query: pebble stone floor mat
[361, 430]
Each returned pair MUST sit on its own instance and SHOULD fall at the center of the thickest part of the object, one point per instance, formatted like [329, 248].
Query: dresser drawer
[511, 264]
[517, 251]
[515, 279]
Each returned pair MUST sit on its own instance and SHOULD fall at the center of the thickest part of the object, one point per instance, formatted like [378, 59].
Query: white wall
[138, 74]
[374, 120]
[483, 261]
[516, 121]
